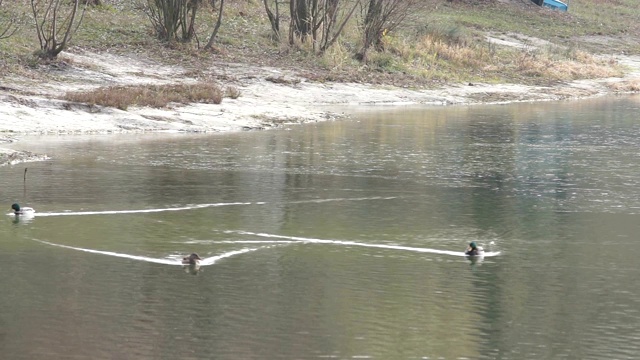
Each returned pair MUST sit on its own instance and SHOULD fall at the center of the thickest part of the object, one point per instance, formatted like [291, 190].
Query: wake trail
[319, 201]
[200, 206]
[353, 243]
[141, 211]
[165, 261]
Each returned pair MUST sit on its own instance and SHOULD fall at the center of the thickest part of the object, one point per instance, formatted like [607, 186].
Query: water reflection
[193, 269]
[20, 219]
[335, 240]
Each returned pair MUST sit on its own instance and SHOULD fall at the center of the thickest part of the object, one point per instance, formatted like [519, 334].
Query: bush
[232, 92]
[157, 96]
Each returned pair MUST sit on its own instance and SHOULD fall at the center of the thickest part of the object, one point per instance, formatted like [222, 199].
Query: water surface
[335, 240]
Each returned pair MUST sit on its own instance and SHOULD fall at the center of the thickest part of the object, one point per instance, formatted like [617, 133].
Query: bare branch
[321, 20]
[330, 42]
[8, 27]
[381, 17]
[54, 18]
[173, 19]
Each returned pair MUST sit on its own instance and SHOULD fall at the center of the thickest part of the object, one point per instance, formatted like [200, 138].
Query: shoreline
[29, 107]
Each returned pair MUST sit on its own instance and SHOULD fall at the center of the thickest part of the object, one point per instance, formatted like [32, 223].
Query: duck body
[192, 259]
[478, 251]
[474, 250]
[17, 210]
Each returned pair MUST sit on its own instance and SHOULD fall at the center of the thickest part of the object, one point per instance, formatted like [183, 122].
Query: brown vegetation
[158, 96]
[632, 85]
[232, 92]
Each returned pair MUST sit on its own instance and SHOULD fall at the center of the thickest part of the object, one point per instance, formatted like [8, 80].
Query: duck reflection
[475, 260]
[192, 269]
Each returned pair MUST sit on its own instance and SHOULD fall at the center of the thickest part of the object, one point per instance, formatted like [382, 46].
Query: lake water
[333, 240]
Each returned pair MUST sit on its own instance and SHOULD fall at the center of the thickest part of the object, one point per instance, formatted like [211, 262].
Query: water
[336, 240]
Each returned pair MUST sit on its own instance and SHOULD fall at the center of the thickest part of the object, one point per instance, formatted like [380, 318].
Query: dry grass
[457, 52]
[337, 57]
[232, 92]
[452, 56]
[632, 85]
[157, 96]
[579, 65]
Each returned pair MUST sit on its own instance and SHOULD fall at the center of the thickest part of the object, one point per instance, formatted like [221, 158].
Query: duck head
[15, 207]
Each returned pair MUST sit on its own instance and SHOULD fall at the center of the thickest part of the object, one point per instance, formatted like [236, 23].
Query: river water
[333, 240]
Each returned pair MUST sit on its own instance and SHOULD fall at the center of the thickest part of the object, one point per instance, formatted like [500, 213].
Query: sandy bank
[32, 107]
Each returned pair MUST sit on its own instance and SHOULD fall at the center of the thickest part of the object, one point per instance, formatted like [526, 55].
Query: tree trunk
[216, 28]
[300, 17]
[274, 19]
[383, 16]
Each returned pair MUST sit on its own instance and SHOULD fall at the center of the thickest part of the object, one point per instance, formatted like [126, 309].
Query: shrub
[157, 96]
[232, 92]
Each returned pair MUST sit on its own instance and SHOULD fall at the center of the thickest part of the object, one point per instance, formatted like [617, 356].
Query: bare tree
[300, 26]
[274, 18]
[7, 27]
[381, 17]
[217, 26]
[56, 21]
[321, 20]
[332, 25]
[173, 19]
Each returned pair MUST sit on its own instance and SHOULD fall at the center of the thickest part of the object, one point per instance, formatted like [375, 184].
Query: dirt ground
[270, 97]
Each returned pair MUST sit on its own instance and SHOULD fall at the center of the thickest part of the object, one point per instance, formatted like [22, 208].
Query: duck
[17, 210]
[474, 250]
[192, 259]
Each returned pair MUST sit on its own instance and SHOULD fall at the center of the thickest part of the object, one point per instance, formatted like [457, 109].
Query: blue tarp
[555, 4]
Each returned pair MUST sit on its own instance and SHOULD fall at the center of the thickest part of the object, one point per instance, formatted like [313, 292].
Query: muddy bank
[269, 98]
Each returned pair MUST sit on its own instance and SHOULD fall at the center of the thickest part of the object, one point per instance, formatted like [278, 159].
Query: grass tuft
[232, 92]
[157, 96]
[632, 85]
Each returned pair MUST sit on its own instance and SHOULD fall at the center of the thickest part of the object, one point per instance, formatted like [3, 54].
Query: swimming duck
[17, 210]
[192, 259]
[474, 249]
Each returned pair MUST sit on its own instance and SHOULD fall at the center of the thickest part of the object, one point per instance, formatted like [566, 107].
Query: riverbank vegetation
[157, 96]
[405, 43]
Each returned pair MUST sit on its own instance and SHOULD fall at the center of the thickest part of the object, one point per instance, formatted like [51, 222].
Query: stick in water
[24, 185]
